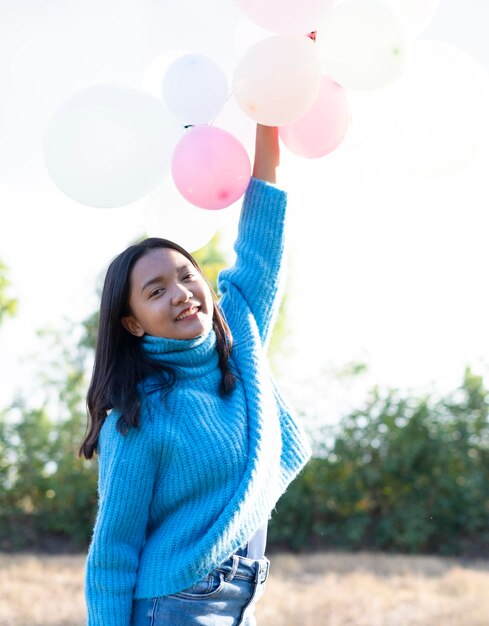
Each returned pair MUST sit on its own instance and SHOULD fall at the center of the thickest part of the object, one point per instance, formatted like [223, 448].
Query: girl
[195, 443]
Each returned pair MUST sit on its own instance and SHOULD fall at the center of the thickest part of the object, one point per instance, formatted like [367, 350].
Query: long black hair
[120, 364]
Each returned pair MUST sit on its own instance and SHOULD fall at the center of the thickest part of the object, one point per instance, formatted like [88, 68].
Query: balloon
[433, 120]
[278, 79]
[418, 13]
[247, 33]
[153, 74]
[108, 146]
[210, 167]
[195, 89]
[167, 214]
[364, 45]
[323, 127]
[286, 16]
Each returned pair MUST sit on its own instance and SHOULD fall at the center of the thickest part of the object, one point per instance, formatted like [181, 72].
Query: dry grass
[375, 590]
[315, 590]
[41, 590]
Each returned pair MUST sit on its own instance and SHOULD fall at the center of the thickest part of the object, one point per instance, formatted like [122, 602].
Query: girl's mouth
[190, 312]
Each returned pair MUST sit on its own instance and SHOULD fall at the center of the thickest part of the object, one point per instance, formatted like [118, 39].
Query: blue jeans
[225, 597]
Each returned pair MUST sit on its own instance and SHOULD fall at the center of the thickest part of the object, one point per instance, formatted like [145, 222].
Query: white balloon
[434, 119]
[364, 44]
[154, 73]
[418, 13]
[278, 79]
[195, 89]
[109, 146]
[168, 215]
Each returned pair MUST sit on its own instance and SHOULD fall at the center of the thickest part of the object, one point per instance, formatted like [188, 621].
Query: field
[315, 590]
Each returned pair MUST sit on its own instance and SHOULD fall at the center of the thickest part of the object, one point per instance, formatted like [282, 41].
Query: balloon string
[223, 106]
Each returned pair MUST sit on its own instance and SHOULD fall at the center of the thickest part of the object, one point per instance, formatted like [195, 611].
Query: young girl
[195, 442]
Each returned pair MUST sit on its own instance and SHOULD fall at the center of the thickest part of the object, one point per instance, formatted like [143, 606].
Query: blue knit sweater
[203, 472]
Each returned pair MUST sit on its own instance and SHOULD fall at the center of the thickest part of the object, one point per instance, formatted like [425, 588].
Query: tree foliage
[8, 304]
[211, 259]
[49, 495]
[404, 474]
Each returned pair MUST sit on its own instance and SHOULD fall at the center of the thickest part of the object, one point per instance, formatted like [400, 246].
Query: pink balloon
[210, 167]
[323, 127]
[287, 16]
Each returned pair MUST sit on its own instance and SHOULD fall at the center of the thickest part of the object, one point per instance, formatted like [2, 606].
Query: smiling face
[168, 297]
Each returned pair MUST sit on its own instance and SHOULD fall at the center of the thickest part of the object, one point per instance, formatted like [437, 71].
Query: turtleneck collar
[188, 357]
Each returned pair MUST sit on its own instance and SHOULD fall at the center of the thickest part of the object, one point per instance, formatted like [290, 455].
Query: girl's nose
[181, 294]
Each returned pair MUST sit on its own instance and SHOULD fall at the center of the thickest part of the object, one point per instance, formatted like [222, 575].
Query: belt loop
[261, 573]
[234, 569]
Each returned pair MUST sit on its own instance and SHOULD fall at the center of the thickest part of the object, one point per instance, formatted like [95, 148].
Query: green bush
[404, 474]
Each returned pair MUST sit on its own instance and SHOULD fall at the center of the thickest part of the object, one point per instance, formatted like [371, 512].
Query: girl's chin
[194, 330]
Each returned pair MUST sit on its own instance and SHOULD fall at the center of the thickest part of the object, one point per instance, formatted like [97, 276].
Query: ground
[323, 589]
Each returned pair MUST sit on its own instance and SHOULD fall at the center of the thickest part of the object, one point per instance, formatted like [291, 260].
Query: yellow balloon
[364, 45]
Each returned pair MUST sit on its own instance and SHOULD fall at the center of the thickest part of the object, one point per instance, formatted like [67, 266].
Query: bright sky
[385, 267]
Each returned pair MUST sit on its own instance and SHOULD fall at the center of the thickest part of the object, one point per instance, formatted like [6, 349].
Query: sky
[384, 267]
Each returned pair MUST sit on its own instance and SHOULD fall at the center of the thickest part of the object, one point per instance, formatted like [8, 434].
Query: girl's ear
[131, 324]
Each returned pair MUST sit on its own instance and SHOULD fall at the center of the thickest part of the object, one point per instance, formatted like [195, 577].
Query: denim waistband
[241, 567]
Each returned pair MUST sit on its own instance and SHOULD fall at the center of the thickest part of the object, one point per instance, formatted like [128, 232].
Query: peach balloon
[278, 79]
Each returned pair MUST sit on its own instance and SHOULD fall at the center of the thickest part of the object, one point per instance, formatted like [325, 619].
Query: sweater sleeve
[255, 276]
[127, 469]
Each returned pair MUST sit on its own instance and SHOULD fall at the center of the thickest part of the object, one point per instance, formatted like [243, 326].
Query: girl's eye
[156, 292]
[189, 276]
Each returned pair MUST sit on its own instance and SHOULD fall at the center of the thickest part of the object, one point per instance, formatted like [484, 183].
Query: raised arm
[267, 153]
[251, 286]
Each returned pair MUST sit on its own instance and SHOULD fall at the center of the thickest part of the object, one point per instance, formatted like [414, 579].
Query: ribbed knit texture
[203, 472]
